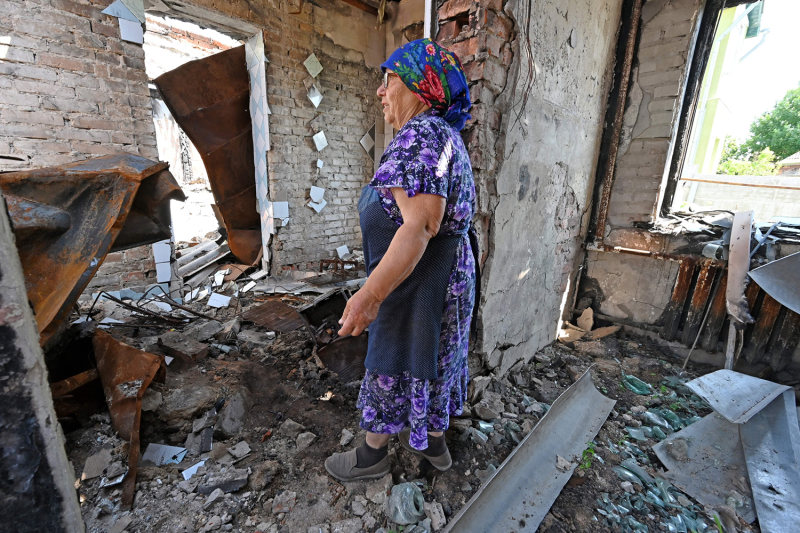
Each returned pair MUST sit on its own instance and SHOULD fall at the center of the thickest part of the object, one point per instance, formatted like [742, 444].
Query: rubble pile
[235, 435]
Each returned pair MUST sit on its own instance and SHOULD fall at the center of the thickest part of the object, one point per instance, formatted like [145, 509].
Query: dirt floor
[292, 414]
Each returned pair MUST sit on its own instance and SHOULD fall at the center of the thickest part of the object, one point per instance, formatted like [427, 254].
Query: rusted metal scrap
[343, 355]
[67, 218]
[213, 111]
[125, 373]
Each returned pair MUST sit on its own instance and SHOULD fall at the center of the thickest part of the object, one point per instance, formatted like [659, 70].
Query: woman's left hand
[359, 313]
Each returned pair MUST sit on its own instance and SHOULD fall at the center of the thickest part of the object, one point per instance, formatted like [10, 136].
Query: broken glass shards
[634, 384]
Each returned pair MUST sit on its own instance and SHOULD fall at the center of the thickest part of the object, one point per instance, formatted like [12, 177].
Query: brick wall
[70, 89]
[653, 106]
[133, 268]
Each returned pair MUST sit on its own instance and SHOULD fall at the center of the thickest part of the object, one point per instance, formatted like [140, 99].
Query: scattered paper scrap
[161, 454]
[563, 464]
[320, 163]
[219, 300]
[313, 66]
[320, 141]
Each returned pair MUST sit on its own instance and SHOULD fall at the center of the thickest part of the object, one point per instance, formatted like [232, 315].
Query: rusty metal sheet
[125, 372]
[67, 218]
[68, 385]
[756, 342]
[680, 295]
[209, 100]
[345, 356]
[716, 316]
[699, 301]
[275, 315]
[785, 341]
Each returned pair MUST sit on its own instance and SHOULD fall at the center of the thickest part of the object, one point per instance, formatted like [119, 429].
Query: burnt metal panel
[786, 337]
[209, 100]
[680, 295]
[275, 315]
[699, 301]
[716, 317]
[125, 372]
[756, 343]
[67, 218]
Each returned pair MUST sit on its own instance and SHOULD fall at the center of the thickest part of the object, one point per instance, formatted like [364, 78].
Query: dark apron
[405, 336]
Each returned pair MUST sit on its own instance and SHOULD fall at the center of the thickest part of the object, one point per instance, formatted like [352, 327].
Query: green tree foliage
[761, 164]
[777, 129]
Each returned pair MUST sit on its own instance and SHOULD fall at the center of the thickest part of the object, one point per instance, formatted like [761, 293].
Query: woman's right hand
[361, 310]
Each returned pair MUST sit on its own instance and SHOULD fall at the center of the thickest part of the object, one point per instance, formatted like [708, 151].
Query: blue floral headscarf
[435, 75]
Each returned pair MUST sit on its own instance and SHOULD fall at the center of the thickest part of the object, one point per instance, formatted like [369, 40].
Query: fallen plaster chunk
[240, 450]
[219, 300]
[320, 141]
[563, 464]
[161, 454]
[231, 480]
[313, 65]
[528, 481]
[121, 524]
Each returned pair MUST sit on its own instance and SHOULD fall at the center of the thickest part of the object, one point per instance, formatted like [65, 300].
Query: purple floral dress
[428, 156]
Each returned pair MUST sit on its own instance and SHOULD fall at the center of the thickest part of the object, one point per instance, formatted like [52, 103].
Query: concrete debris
[304, 440]
[151, 400]
[231, 418]
[284, 502]
[263, 474]
[182, 347]
[490, 407]
[240, 450]
[435, 513]
[160, 454]
[563, 464]
[347, 437]
[96, 464]
[231, 480]
[291, 429]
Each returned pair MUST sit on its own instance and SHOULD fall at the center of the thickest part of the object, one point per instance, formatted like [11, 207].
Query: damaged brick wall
[539, 79]
[654, 102]
[70, 89]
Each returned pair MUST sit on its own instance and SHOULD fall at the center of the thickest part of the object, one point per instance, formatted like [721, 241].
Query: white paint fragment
[320, 141]
[313, 66]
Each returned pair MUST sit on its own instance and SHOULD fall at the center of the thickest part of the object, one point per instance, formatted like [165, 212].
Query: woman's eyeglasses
[386, 76]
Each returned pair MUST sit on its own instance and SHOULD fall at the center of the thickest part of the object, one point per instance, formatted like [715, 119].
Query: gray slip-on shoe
[342, 466]
[440, 462]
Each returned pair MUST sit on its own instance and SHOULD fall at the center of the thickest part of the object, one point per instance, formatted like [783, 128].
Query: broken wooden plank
[756, 343]
[785, 340]
[699, 301]
[716, 317]
[680, 294]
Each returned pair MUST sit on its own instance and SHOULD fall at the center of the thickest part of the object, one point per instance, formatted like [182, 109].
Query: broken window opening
[168, 44]
[721, 159]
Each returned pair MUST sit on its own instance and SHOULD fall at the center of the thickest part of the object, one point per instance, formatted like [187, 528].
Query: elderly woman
[418, 299]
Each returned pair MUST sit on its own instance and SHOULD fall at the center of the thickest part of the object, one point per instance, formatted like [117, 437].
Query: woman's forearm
[402, 256]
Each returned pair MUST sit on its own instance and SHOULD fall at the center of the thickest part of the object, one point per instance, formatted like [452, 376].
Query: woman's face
[399, 103]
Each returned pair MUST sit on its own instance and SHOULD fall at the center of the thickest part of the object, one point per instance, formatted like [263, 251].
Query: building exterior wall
[70, 89]
[654, 101]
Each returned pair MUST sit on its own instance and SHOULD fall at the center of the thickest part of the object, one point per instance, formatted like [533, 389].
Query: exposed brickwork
[70, 89]
[134, 268]
[654, 103]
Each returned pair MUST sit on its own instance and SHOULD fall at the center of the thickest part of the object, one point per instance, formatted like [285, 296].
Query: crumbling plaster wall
[37, 491]
[534, 148]
[70, 89]
[658, 82]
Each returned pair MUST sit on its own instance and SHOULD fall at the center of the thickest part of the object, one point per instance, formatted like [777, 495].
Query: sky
[764, 77]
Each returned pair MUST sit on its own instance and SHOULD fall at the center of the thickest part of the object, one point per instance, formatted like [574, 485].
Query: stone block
[185, 348]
